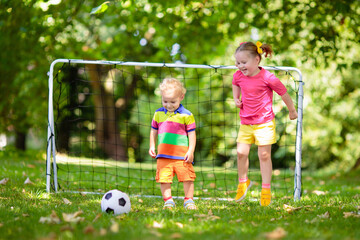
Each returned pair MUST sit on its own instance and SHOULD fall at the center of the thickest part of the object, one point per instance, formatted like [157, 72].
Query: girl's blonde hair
[254, 49]
[172, 83]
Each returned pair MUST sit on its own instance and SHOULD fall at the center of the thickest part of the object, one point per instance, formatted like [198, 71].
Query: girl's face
[171, 99]
[247, 63]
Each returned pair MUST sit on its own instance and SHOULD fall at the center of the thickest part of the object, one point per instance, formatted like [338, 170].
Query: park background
[321, 38]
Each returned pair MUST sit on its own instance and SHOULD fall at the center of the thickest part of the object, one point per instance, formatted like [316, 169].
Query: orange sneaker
[265, 198]
[242, 190]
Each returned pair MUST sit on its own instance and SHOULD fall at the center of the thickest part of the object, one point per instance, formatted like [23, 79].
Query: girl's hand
[238, 103]
[293, 115]
[152, 152]
[189, 157]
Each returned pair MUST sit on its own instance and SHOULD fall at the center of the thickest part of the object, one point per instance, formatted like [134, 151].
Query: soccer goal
[99, 120]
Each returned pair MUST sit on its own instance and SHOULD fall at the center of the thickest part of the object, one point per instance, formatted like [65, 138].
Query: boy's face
[171, 99]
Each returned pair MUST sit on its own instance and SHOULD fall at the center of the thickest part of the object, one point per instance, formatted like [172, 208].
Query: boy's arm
[290, 105]
[236, 96]
[189, 156]
[153, 136]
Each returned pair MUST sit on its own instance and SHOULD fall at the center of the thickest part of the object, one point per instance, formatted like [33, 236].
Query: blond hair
[172, 84]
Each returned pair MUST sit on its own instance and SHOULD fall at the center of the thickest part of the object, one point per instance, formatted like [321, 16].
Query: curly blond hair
[172, 84]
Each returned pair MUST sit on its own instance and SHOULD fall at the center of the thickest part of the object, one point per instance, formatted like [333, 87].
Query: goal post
[208, 89]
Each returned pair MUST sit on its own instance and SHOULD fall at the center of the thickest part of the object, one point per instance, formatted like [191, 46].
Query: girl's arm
[189, 156]
[290, 105]
[236, 96]
[153, 136]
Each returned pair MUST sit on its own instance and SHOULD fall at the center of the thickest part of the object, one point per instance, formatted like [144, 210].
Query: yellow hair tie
[258, 45]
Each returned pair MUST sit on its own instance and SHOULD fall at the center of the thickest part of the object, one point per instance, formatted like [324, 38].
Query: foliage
[329, 209]
[315, 36]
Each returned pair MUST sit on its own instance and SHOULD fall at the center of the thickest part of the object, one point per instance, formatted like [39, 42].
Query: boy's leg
[189, 194]
[266, 173]
[243, 150]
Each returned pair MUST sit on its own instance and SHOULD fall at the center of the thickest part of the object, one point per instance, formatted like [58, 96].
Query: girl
[255, 85]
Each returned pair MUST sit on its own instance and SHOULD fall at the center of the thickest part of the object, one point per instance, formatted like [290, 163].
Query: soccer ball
[115, 202]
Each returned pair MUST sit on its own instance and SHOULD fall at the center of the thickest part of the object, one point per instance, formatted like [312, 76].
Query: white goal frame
[51, 148]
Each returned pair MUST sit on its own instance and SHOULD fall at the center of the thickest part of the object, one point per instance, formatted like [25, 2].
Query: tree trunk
[106, 126]
[20, 141]
[356, 165]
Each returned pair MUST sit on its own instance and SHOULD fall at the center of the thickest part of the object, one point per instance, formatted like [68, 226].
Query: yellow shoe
[265, 199]
[242, 190]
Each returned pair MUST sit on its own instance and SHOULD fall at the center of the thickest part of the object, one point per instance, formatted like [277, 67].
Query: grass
[321, 213]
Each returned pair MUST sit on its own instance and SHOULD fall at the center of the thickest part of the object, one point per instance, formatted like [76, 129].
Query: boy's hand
[152, 152]
[238, 103]
[293, 115]
[189, 157]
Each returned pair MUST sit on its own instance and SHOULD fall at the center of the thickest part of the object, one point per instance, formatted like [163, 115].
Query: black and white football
[115, 202]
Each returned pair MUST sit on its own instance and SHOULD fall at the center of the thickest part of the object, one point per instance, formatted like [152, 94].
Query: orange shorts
[167, 168]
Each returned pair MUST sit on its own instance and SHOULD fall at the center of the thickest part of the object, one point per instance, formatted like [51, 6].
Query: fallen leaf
[31, 166]
[89, 229]
[175, 236]
[4, 181]
[28, 181]
[351, 214]
[66, 228]
[66, 201]
[317, 192]
[278, 233]
[157, 224]
[140, 200]
[53, 218]
[97, 217]
[102, 232]
[73, 217]
[114, 227]
[325, 215]
[1, 224]
[180, 225]
[291, 209]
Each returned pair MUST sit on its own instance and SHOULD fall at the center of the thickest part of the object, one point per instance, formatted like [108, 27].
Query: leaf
[101, 8]
[97, 217]
[317, 192]
[53, 218]
[291, 209]
[28, 181]
[66, 201]
[73, 217]
[89, 229]
[278, 233]
[180, 225]
[325, 215]
[114, 227]
[175, 236]
[351, 214]
[4, 181]
[157, 224]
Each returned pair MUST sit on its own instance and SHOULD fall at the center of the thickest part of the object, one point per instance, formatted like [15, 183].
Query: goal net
[99, 120]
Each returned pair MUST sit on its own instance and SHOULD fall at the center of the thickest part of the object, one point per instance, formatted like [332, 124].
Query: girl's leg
[243, 166]
[266, 173]
[243, 150]
[264, 153]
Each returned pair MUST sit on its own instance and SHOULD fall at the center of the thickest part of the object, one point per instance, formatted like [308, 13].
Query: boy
[174, 127]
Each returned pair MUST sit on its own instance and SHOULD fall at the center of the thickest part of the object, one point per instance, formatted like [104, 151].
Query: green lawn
[329, 209]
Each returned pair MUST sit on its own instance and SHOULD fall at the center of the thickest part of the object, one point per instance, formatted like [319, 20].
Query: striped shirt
[173, 128]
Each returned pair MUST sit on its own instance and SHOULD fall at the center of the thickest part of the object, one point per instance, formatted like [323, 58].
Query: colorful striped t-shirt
[173, 131]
